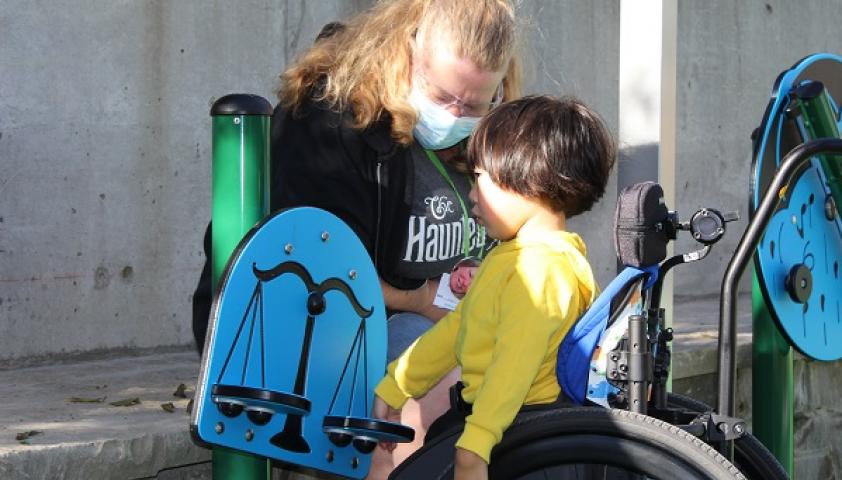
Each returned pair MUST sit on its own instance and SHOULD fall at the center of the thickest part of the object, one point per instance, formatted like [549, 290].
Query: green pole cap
[241, 104]
[809, 90]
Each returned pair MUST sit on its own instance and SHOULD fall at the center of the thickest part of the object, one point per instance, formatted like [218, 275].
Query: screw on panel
[249, 435]
[236, 120]
[325, 236]
[288, 248]
[739, 429]
[352, 274]
[355, 462]
[219, 428]
[830, 210]
[329, 457]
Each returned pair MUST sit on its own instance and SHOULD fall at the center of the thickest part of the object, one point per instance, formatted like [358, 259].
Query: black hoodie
[362, 176]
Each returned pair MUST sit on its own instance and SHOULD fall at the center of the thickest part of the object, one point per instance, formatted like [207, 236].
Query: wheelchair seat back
[640, 243]
[581, 366]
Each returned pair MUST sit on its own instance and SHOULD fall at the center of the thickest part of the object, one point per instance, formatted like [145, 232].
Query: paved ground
[52, 400]
[77, 439]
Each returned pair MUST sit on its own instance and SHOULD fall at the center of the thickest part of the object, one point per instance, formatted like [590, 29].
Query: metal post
[771, 389]
[772, 367]
[639, 366]
[240, 199]
[727, 364]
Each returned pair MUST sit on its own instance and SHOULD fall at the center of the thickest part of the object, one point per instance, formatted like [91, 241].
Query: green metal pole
[771, 389]
[240, 199]
[819, 118]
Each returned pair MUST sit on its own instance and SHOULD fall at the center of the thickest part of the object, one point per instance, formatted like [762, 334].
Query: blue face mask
[436, 127]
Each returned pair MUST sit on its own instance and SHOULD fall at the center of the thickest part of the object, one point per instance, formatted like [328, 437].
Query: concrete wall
[729, 55]
[573, 48]
[104, 158]
[104, 139]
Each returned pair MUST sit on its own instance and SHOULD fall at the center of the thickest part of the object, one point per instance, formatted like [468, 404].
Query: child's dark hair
[556, 150]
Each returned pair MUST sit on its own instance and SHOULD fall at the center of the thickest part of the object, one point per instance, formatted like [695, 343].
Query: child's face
[461, 278]
[500, 211]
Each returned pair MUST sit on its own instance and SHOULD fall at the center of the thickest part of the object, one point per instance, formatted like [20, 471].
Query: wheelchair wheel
[581, 443]
[753, 459]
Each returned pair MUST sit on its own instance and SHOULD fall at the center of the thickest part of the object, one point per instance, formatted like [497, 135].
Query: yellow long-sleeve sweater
[504, 334]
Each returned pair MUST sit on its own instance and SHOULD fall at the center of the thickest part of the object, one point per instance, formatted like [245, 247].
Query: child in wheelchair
[538, 161]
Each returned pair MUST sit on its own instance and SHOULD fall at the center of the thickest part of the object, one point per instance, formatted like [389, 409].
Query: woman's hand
[419, 300]
[431, 311]
[470, 466]
[383, 411]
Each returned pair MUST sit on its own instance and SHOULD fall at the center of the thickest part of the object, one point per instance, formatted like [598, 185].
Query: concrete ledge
[695, 354]
[98, 440]
[817, 385]
[143, 441]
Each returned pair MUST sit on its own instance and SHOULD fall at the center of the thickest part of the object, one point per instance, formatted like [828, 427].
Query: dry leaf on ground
[179, 391]
[26, 435]
[86, 399]
[128, 402]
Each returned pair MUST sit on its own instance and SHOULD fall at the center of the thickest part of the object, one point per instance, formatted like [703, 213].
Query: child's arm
[469, 466]
[423, 364]
[533, 313]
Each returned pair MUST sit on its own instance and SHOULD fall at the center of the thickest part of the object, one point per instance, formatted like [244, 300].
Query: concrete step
[144, 441]
[98, 440]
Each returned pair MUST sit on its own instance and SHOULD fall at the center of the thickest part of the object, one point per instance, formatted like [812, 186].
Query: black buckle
[457, 402]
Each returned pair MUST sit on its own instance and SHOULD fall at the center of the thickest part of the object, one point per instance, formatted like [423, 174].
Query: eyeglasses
[442, 98]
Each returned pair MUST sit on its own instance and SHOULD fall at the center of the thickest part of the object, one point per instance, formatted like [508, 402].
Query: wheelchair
[297, 336]
[288, 325]
[617, 419]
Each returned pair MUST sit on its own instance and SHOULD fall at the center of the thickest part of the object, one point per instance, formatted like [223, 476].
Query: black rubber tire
[753, 459]
[567, 442]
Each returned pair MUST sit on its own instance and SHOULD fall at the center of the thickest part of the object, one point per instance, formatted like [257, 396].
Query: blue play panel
[798, 260]
[297, 345]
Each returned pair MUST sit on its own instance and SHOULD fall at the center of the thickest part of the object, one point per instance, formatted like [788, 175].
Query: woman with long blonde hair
[371, 125]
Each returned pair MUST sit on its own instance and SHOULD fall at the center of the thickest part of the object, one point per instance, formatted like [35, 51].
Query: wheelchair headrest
[639, 237]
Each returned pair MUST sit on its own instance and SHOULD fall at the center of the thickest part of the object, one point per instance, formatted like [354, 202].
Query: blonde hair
[366, 66]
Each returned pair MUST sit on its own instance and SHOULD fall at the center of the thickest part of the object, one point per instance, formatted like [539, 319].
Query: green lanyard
[435, 159]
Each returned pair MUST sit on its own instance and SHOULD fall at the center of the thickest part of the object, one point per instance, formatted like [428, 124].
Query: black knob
[799, 283]
[229, 409]
[364, 445]
[340, 439]
[316, 303]
[259, 417]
